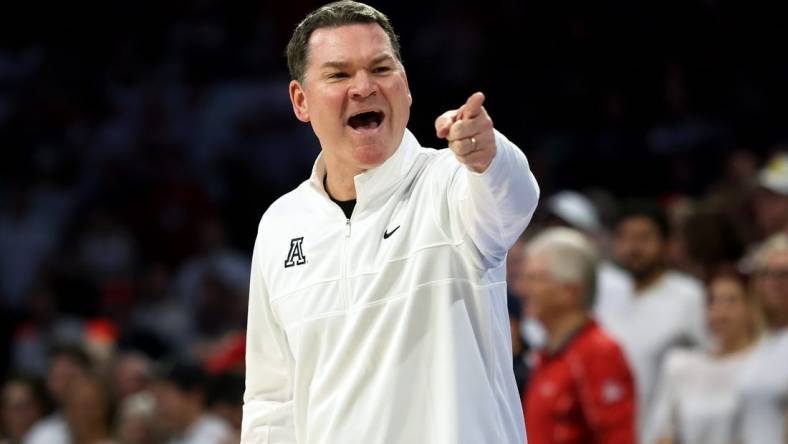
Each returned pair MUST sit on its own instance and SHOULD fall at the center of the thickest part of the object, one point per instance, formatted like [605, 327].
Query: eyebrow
[343, 65]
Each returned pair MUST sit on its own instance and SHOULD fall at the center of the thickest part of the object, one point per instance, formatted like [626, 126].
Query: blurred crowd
[143, 140]
[670, 326]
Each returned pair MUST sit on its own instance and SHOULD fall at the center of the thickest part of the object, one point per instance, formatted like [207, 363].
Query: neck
[778, 318]
[191, 415]
[89, 435]
[339, 180]
[732, 345]
[559, 330]
[643, 282]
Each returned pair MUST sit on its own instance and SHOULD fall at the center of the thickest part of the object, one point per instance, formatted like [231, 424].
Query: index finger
[473, 106]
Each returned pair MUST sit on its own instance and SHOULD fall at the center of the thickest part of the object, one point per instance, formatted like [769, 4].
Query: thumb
[444, 122]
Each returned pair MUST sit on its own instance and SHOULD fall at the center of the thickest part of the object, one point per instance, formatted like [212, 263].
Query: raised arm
[496, 194]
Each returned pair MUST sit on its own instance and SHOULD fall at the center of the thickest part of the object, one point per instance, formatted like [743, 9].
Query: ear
[574, 295]
[405, 76]
[298, 99]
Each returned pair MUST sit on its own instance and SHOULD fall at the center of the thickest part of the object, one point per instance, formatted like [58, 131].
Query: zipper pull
[347, 228]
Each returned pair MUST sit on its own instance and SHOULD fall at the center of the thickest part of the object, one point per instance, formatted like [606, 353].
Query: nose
[362, 85]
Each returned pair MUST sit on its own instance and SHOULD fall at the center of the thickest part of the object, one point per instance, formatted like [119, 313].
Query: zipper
[343, 283]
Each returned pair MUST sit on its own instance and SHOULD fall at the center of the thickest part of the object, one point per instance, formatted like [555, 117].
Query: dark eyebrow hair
[342, 65]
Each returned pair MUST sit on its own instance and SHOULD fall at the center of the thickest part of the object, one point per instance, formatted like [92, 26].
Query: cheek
[324, 105]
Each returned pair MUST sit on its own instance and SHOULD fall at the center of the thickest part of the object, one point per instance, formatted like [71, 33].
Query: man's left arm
[497, 194]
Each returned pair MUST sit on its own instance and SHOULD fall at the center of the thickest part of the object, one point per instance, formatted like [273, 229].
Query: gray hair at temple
[332, 15]
[571, 259]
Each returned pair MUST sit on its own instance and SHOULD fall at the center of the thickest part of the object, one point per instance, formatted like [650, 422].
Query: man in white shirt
[377, 307]
[648, 307]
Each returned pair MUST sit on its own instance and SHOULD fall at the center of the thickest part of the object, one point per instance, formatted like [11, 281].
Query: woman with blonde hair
[763, 387]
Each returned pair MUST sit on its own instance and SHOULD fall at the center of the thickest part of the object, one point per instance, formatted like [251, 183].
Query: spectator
[137, 420]
[771, 201]
[67, 363]
[225, 399]
[519, 346]
[653, 308]
[24, 401]
[180, 397]
[88, 409]
[763, 387]
[697, 399]
[581, 389]
[131, 374]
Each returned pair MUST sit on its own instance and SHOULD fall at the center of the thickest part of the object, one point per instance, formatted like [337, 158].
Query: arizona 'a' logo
[296, 254]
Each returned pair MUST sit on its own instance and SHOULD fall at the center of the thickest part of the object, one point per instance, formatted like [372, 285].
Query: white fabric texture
[697, 400]
[669, 313]
[207, 429]
[763, 391]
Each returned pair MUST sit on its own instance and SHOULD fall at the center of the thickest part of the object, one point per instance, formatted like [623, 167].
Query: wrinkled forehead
[355, 43]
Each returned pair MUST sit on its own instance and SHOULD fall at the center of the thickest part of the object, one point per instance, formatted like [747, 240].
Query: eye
[337, 75]
[381, 70]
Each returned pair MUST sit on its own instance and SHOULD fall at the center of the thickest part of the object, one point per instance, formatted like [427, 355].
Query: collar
[574, 335]
[375, 181]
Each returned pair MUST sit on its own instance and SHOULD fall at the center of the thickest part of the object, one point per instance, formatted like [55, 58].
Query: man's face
[173, 406]
[62, 371]
[545, 297]
[774, 286]
[771, 212]
[355, 94]
[639, 245]
[19, 410]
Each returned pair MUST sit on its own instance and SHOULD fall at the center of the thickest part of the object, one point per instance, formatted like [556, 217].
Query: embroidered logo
[296, 254]
[387, 234]
[612, 391]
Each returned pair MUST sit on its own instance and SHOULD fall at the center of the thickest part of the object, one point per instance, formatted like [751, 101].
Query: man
[771, 200]
[377, 308]
[651, 308]
[180, 393]
[581, 390]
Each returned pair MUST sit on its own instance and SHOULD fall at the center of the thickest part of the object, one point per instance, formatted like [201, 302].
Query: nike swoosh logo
[387, 234]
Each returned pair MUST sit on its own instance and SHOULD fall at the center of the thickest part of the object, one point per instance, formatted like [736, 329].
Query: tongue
[369, 124]
[364, 121]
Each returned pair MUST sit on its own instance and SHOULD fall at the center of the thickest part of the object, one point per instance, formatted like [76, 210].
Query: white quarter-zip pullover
[390, 326]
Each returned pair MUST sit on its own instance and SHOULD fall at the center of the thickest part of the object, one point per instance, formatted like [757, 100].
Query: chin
[372, 155]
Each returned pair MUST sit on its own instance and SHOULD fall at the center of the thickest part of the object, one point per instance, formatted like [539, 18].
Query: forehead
[638, 223]
[348, 43]
[778, 259]
[535, 261]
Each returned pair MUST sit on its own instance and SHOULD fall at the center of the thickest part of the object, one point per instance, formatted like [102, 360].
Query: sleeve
[268, 399]
[607, 394]
[494, 207]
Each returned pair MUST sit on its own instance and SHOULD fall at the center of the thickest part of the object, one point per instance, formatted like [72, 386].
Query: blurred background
[142, 141]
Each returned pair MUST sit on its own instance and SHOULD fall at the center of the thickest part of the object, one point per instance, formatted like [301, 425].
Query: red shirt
[584, 393]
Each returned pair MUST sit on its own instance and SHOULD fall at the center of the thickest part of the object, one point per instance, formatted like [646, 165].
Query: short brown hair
[332, 15]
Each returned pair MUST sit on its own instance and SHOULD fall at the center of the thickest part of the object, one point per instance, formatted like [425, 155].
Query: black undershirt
[346, 205]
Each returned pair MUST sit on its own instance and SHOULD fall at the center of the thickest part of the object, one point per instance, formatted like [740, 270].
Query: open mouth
[366, 120]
